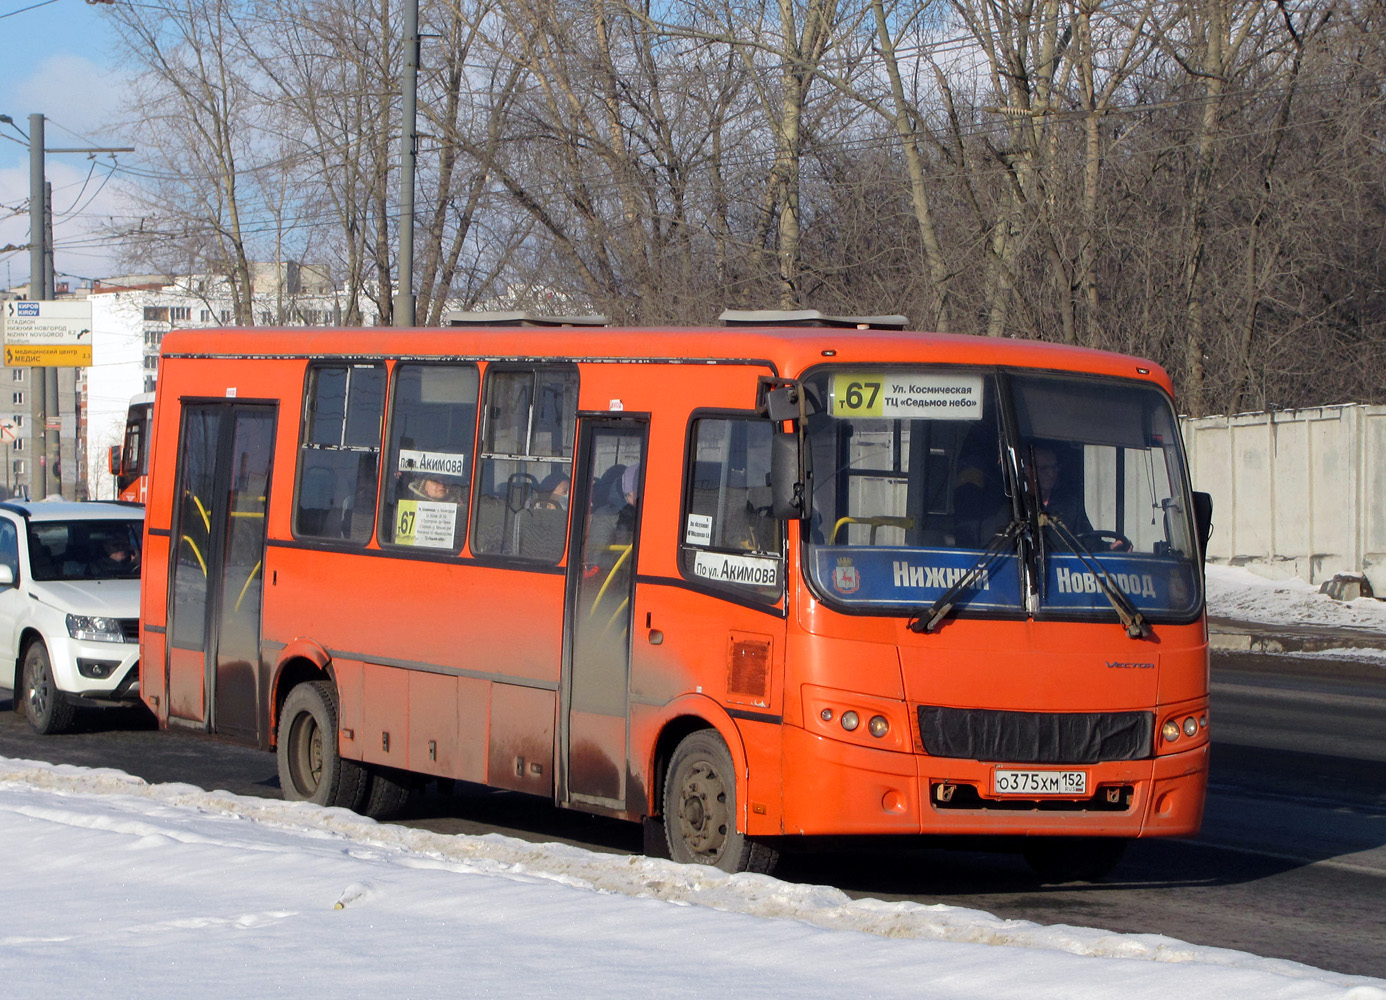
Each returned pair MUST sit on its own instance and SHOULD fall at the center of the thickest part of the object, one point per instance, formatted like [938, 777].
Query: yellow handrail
[241, 596]
[200, 561]
[876, 521]
[611, 573]
[206, 520]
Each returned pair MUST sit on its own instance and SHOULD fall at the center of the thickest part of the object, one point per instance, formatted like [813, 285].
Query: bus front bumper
[835, 788]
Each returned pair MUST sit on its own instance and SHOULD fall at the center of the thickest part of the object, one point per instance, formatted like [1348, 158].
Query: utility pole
[408, 153]
[45, 419]
[52, 428]
[38, 290]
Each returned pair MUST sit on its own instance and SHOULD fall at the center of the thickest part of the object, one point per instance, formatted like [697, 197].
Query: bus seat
[541, 532]
[315, 501]
[489, 533]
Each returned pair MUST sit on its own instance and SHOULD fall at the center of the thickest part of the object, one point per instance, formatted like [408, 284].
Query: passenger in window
[980, 504]
[625, 517]
[553, 493]
[1058, 496]
[120, 559]
[429, 487]
[613, 520]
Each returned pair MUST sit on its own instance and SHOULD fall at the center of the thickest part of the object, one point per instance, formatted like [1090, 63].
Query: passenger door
[214, 668]
[594, 692]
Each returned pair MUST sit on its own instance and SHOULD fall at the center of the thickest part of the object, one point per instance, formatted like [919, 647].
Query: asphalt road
[1291, 862]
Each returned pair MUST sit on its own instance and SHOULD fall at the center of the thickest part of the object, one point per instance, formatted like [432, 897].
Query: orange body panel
[454, 666]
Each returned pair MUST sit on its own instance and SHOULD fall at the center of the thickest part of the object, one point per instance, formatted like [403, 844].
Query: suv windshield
[1051, 490]
[85, 550]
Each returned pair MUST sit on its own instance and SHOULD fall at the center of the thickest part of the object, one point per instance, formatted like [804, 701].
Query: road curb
[1236, 640]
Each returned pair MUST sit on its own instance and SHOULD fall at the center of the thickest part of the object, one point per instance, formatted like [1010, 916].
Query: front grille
[1035, 737]
[131, 628]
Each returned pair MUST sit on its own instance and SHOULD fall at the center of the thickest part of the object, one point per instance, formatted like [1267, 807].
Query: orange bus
[794, 579]
[129, 463]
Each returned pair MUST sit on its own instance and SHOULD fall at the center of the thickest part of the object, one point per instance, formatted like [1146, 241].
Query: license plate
[1032, 784]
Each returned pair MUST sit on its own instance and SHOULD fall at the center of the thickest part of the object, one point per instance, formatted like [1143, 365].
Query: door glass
[193, 525]
[242, 576]
[603, 585]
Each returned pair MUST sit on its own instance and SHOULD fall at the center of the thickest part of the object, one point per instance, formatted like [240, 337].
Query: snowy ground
[1243, 596]
[122, 889]
[1240, 594]
[117, 888]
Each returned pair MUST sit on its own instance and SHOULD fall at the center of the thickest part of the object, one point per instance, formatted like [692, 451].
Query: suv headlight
[94, 629]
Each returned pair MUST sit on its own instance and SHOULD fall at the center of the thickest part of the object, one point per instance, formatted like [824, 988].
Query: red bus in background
[129, 462]
[798, 578]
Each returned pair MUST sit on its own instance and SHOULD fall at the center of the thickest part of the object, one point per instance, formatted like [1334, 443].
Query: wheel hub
[38, 693]
[703, 818]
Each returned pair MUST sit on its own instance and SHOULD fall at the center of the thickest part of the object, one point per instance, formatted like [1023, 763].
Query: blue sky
[57, 59]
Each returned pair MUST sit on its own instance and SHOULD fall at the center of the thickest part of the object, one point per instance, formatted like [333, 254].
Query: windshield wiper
[1131, 619]
[928, 620]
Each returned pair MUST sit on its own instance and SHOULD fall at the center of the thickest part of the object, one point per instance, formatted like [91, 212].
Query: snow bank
[125, 889]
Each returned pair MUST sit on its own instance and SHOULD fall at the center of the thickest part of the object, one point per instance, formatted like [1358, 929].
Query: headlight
[95, 629]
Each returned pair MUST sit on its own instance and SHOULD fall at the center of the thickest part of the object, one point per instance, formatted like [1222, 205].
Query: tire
[48, 709]
[311, 768]
[700, 809]
[387, 794]
[1074, 859]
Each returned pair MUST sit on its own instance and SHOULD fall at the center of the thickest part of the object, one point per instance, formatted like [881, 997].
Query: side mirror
[6, 575]
[1203, 521]
[113, 460]
[782, 403]
[789, 498]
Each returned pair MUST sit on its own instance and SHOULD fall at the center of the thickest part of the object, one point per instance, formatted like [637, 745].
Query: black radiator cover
[1035, 737]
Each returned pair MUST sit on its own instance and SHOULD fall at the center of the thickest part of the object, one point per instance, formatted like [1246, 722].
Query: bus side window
[428, 462]
[339, 455]
[729, 539]
[525, 462]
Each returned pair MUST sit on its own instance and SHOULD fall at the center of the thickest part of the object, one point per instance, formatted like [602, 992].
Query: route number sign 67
[913, 395]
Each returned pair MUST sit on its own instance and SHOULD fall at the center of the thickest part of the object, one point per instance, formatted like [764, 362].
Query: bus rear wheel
[387, 794]
[311, 768]
[700, 809]
[1073, 859]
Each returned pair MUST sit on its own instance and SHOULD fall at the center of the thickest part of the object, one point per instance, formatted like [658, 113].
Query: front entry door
[225, 453]
[595, 692]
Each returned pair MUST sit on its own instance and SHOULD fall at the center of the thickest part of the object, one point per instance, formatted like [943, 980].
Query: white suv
[69, 607]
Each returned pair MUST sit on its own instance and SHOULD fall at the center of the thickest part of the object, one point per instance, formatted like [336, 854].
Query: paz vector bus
[793, 577]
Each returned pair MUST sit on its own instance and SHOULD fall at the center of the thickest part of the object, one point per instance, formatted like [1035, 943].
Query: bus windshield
[1046, 495]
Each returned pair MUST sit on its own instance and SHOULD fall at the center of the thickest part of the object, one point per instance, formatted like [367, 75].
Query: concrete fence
[1296, 492]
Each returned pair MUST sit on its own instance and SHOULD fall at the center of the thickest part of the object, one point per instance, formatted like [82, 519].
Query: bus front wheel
[1073, 859]
[311, 768]
[700, 809]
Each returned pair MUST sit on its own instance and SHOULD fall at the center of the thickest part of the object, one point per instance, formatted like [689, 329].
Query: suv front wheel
[48, 711]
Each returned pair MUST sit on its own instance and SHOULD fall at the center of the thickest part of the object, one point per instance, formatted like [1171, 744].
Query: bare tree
[193, 89]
